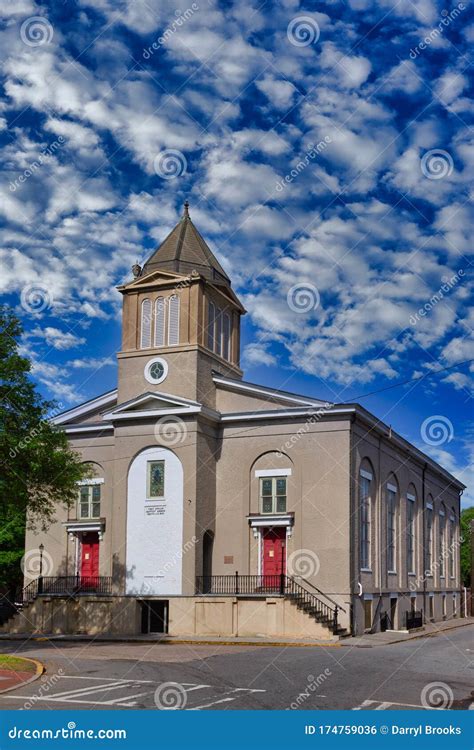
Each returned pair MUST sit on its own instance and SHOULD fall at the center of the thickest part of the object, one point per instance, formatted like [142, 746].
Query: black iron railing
[272, 585]
[414, 619]
[67, 586]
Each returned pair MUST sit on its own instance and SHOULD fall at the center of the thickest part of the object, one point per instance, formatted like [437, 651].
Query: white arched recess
[154, 528]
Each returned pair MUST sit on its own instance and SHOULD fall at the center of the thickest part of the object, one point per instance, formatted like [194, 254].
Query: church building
[218, 506]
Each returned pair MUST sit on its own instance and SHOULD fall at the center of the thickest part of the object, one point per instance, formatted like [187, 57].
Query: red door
[90, 555]
[274, 551]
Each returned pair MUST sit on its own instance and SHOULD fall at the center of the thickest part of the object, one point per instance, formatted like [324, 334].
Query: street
[90, 675]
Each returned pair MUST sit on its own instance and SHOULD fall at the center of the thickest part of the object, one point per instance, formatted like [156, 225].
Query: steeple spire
[186, 209]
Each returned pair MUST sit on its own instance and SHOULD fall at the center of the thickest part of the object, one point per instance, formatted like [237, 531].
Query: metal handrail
[66, 585]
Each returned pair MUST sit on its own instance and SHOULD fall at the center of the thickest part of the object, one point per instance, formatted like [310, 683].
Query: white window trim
[366, 474]
[411, 498]
[366, 570]
[441, 512]
[392, 487]
[429, 506]
[93, 480]
[148, 367]
[273, 473]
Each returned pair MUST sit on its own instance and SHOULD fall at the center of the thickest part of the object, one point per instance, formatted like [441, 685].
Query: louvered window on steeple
[210, 326]
[218, 342]
[226, 336]
[159, 321]
[173, 320]
[145, 336]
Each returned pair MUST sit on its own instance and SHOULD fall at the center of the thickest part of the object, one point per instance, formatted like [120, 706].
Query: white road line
[92, 688]
[109, 679]
[208, 705]
[196, 687]
[383, 706]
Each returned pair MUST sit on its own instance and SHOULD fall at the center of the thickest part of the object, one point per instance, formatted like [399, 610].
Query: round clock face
[156, 370]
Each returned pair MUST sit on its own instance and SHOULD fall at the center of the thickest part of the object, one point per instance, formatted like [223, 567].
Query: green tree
[467, 515]
[38, 469]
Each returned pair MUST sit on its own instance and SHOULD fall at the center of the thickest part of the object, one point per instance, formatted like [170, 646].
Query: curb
[40, 669]
[179, 641]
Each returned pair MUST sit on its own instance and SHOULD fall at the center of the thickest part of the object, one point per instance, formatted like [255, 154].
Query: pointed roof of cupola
[185, 250]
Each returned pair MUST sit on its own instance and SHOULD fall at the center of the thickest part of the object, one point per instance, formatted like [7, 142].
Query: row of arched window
[440, 548]
[218, 331]
[159, 322]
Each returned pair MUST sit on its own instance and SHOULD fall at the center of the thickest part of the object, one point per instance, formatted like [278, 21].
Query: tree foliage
[39, 470]
[467, 515]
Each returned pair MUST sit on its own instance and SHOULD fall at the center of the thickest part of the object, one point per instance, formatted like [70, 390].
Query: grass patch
[16, 664]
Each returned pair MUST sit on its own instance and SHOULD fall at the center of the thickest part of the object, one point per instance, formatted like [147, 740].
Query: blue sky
[325, 150]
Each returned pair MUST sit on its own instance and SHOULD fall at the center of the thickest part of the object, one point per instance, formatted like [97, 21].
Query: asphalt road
[202, 677]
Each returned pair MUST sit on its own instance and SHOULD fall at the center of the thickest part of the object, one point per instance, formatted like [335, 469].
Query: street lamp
[40, 579]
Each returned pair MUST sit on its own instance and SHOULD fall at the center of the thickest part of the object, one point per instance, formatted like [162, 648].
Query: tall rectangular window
[89, 501]
[226, 336]
[211, 323]
[273, 494]
[391, 528]
[452, 542]
[145, 333]
[173, 320]
[442, 546]
[364, 504]
[410, 534]
[155, 485]
[160, 321]
[429, 540]
[218, 333]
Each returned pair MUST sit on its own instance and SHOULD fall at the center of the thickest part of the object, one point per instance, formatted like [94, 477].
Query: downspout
[423, 536]
[379, 537]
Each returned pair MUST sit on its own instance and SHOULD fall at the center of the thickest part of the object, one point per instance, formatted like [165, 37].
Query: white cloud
[58, 339]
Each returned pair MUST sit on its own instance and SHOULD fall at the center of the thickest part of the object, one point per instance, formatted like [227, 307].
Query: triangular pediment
[152, 404]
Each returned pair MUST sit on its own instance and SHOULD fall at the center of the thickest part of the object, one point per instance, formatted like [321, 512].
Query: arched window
[411, 529]
[366, 483]
[218, 341]
[442, 541]
[159, 321]
[226, 336]
[429, 536]
[452, 544]
[173, 320]
[211, 325]
[391, 492]
[145, 337]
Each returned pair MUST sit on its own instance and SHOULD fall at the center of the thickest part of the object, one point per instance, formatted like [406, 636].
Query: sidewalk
[429, 630]
[363, 641]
